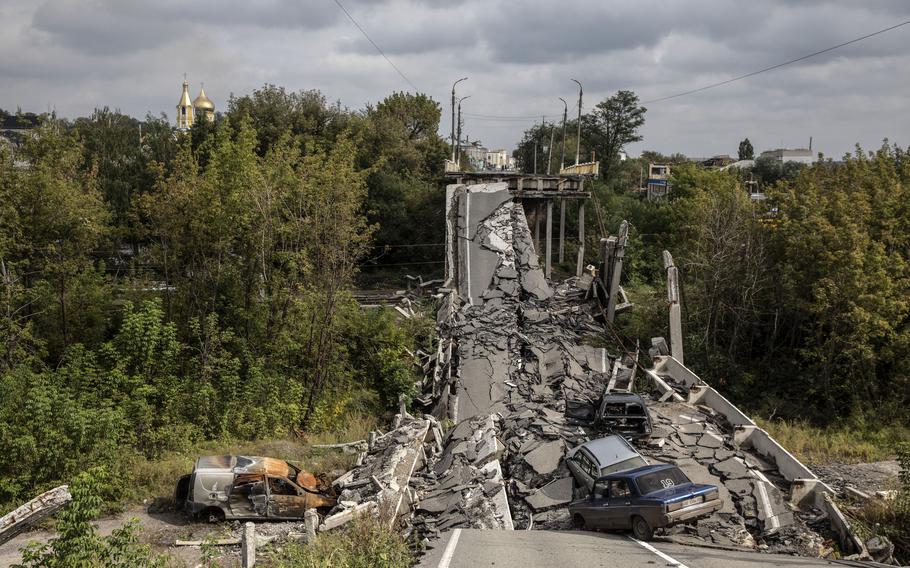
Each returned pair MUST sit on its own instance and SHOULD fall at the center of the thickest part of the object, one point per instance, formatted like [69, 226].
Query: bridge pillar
[562, 230]
[580, 264]
[549, 237]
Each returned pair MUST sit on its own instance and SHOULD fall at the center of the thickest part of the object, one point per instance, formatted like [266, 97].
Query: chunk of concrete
[553, 494]
[773, 511]
[732, 468]
[339, 519]
[545, 459]
[711, 440]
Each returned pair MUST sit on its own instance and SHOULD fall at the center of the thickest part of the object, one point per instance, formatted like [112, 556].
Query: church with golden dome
[201, 107]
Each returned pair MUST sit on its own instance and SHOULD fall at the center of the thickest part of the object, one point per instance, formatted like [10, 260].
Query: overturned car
[248, 487]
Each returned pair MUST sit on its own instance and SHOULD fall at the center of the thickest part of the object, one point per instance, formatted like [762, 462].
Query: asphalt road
[471, 548]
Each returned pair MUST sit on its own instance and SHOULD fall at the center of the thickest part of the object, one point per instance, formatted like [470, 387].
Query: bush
[79, 546]
[364, 543]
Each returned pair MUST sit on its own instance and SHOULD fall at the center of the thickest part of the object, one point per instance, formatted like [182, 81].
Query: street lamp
[565, 112]
[578, 134]
[458, 138]
[453, 114]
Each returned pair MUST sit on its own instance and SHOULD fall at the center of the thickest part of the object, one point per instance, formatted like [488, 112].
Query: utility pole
[578, 132]
[458, 138]
[550, 152]
[562, 160]
[453, 114]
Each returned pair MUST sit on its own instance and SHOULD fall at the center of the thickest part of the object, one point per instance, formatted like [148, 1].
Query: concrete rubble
[520, 370]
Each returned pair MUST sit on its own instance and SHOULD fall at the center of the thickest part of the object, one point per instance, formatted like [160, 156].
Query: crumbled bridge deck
[513, 352]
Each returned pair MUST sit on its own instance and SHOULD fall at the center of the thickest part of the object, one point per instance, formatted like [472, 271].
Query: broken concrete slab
[545, 459]
[732, 468]
[553, 494]
[711, 440]
[344, 517]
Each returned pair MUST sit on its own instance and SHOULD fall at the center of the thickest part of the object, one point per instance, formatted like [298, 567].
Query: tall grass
[855, 442]
[363, 543]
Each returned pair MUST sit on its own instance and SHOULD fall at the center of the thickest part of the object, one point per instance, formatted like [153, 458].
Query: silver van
[248, 487]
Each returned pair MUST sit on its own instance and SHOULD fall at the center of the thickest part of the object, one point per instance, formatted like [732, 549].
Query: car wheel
[641, 529]
[579, 522]
[212, 515]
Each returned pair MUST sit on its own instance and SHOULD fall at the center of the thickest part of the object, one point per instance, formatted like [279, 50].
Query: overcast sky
[74, 55]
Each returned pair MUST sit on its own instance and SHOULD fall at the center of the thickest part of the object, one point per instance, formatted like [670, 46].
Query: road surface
[469, 548]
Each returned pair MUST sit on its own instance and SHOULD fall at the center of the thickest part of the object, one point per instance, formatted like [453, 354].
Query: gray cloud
[131, 54]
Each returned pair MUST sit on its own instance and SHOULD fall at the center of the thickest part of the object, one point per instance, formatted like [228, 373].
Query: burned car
[596, 458]
[248, 487]
[644, 499]
[622, 412]
[625, 413]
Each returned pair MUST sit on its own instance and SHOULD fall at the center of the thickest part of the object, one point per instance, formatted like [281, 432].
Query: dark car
[644, 499]
[624, 414]
[600, 457]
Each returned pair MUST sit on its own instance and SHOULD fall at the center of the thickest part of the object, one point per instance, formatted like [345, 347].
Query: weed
[363, 543]
[846, 443]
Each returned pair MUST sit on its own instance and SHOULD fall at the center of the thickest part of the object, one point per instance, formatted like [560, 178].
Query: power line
[379, 49]
[779, 65]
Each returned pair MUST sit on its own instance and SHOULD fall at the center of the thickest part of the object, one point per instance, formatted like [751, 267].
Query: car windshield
[631, 463]
[660, 480]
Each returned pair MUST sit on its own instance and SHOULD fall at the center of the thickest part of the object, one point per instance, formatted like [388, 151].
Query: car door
[286, 500]
[248, 497]
[597, 503]
[617, 507]
[583, 466]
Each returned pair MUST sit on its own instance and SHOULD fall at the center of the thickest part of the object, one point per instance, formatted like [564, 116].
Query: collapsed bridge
[520, 359]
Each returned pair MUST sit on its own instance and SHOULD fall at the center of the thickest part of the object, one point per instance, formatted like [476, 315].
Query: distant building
[799, 155]
[476, 154]
[658, 181]
[496, 160]
[187, 112]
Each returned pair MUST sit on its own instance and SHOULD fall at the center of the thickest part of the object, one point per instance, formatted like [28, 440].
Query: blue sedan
[644, 499]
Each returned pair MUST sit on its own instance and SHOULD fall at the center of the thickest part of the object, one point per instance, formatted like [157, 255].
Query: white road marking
[666, 557]
[449, 552]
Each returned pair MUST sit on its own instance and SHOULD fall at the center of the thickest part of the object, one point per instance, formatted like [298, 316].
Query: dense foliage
[160, 289]
[797, 306]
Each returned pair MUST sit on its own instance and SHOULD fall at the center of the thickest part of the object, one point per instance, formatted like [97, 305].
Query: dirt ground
[875, 476]
[158, 529]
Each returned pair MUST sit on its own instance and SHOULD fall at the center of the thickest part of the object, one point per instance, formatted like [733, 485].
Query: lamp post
[565, 112]
[458, 137]
[453, 114]
[578, 133]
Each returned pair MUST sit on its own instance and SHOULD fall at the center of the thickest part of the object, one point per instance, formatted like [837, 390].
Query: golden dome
[184, 96]
[203, 101]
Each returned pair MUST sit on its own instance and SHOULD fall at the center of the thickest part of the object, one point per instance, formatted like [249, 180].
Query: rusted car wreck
[248, 487]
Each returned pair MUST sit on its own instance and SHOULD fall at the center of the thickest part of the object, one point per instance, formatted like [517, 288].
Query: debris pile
[464, 487]
[380, 484]
[756, 511]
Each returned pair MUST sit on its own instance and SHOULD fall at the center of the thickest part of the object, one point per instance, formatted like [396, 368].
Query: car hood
[680, 492]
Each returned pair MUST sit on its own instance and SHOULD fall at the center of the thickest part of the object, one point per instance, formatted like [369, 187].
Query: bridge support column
[549, 237]
[562, 230]
[580, 264]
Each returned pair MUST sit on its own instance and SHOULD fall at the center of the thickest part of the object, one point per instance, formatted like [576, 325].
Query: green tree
[611, 125]
[745, 150]
[54, 219]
